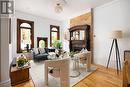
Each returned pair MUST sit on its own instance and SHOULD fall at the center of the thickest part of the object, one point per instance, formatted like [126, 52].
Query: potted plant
[21, 61]
[72, 53]
[57, 44]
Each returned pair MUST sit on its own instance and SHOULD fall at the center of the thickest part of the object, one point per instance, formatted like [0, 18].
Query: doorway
[42, 42]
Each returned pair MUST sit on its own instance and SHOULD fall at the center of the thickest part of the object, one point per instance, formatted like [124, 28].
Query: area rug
[37, 74]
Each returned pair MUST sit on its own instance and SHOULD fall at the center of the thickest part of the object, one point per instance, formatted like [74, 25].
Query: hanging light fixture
[58, 8]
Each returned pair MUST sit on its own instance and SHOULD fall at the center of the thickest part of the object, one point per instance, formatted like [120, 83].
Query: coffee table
[74, 62]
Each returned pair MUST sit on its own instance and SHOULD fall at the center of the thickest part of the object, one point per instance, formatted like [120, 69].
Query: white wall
[41, 28]
[112, 16]
[4, 53]
[65, 27]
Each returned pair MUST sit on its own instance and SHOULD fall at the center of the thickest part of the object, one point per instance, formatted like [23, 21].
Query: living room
[102, 17]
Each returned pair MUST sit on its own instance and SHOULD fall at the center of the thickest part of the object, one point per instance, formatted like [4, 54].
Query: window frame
[58, 32]
[19, 22]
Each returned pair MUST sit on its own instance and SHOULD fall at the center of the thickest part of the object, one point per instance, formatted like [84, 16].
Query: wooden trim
[91, 35]
[32, 35]
[58, 32]
[26, 27]
[20, 21]
[125, 74]
[81, 27]
[0, 50]
[18, 36]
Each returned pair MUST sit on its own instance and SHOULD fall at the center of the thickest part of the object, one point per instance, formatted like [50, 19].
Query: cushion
[46, 49]
[82, 50]
[41, 50]
[35, 50]
[85, 50]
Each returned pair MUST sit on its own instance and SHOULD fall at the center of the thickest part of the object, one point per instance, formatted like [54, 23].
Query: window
[25, 35]
[54, 34]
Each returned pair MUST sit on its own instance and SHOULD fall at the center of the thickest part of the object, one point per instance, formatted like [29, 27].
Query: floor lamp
[115, 35]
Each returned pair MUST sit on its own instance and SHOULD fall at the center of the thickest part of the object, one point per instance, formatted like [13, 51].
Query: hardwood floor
[26, 84]
[102, 77]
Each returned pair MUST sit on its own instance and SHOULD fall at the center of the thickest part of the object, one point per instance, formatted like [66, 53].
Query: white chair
[61, 67]
[85, 59]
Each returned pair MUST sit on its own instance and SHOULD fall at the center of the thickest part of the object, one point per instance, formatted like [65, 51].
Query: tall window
[54, 34]
[25, 35]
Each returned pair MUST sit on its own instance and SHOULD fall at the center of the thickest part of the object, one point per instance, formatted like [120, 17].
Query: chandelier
[58, 8]
[59, 5]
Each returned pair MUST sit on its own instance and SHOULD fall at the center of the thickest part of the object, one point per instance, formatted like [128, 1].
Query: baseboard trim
[6, 83]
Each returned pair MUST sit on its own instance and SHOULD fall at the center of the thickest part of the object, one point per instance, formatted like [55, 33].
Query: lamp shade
[116, 34]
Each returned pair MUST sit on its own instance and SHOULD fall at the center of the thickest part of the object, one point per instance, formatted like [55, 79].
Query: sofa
[41, 53]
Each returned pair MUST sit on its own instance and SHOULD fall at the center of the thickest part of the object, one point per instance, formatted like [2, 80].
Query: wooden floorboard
[102, 77]
[26, 84]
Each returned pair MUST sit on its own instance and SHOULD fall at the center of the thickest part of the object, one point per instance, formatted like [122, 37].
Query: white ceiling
[45, 8]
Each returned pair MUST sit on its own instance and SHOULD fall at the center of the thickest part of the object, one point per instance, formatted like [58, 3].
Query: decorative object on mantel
[22, 61]
[115, 35]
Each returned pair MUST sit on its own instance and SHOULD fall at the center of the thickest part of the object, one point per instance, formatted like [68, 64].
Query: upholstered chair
[59, 68]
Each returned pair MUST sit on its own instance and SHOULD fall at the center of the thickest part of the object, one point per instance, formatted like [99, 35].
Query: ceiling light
[58, 8]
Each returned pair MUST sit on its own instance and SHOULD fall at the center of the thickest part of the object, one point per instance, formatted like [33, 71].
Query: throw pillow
[35, 50]
[41, 50]
[85, 50]
[82, 50]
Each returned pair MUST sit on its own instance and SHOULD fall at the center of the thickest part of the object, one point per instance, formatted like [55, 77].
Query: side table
[18, 76]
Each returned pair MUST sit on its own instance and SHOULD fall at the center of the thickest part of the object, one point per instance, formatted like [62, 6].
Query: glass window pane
[41, 44]
[25, 38]
[54, 37]
[82, 33]
[25, 25]
[54, 29]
